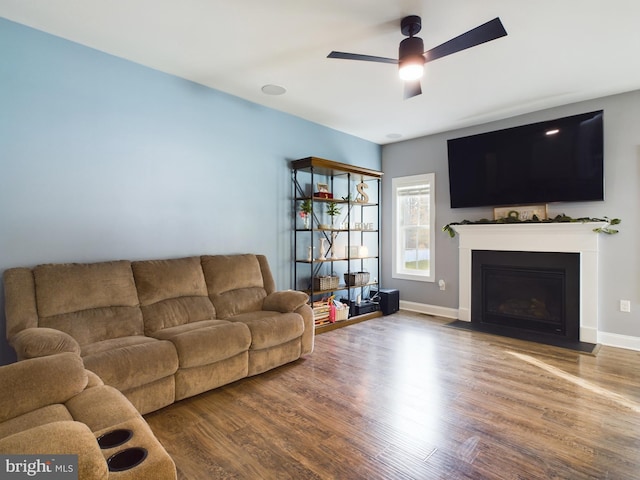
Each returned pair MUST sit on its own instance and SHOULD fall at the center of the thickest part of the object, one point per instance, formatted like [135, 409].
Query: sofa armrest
[60, 438]
[308, 337]
[285, 301]
[38, 382]
[41, 342]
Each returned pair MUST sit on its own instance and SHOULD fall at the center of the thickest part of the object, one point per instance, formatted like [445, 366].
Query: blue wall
[102, 159]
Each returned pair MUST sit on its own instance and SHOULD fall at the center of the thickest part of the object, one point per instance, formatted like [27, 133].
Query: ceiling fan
[412, 56]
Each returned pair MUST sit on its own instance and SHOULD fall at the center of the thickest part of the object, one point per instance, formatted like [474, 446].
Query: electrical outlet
[625, 306]
[442, 285]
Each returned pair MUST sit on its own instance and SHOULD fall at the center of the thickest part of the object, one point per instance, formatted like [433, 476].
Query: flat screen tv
[554, 161]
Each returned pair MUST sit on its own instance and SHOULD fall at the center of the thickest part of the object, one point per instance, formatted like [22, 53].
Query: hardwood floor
[405, 397]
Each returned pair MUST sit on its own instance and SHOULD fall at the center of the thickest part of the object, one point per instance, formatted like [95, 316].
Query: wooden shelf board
[336, 259]
[340, 287]
[350, 321]
[330, 167]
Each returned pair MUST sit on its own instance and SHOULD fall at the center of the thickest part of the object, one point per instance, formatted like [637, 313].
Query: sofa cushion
[69, 287]
[168, 333]
[20, 300]
[131, 361]
[157, 280]
[97, 324]
[211, 344]
[271, 328]
[90, 302]
[235, 283]
[56, 412]
[172, 292]
[175, 312]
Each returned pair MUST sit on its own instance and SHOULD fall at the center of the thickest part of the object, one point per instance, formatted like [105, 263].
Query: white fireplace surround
[575, 237]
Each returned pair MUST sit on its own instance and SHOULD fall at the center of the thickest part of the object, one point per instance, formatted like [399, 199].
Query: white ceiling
[556, 52]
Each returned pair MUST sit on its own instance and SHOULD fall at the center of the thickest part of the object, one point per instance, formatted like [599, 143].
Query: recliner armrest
[41, 342]
[38, 382]
[60, 438]
[284, 301]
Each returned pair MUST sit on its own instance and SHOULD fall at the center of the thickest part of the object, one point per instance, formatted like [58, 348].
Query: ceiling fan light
[411, 63]
[412, 68]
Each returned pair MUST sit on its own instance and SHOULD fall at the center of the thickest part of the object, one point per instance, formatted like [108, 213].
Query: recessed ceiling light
[552, 132]
[394, 136]
[273, 90]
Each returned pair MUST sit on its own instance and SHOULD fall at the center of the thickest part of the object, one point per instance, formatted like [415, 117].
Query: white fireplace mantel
[574, 237]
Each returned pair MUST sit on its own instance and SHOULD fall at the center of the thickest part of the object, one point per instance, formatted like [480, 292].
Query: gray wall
[619, 269]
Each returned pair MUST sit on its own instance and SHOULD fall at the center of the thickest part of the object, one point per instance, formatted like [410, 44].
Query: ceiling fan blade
[365, 58]
[412, 88]
[486, 32]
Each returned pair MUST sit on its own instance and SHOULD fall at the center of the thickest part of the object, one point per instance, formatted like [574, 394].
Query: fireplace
[531, 293]
[573, 238]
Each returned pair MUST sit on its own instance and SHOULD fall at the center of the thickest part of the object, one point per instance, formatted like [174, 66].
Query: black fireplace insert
[527, 292]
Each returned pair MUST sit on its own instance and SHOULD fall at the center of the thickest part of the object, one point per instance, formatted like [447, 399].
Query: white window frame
[398, 184]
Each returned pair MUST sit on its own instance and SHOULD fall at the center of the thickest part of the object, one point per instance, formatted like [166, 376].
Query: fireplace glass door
[531, 291]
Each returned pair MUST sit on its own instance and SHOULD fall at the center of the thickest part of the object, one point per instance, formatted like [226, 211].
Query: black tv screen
[554, 161]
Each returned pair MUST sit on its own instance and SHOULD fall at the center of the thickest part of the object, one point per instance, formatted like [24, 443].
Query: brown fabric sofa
[53, 406]
[159, 330]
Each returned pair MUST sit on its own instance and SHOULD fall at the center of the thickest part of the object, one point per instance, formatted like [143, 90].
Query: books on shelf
[328, 311]
[320, 312]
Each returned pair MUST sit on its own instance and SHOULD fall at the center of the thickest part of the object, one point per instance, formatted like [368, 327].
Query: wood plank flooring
[406, 397]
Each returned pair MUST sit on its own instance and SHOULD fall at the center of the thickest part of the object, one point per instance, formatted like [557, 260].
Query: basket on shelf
[326, 282]
[342, 313]
[356, 279]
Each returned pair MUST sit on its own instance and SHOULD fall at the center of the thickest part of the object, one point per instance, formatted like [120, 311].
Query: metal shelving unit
[357, 231]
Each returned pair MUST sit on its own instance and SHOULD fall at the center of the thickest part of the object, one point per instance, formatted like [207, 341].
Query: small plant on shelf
[332, 211]
[306, 208]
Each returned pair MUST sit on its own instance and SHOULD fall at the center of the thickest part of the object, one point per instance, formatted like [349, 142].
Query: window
[413, 205]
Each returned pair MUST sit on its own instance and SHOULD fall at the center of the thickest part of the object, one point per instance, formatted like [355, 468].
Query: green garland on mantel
[513, 217]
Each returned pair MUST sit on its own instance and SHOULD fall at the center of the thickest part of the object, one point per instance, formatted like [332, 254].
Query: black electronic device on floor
[365, 306]
[388, 298]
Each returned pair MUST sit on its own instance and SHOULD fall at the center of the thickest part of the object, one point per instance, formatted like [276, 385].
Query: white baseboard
[620, 341]
[604, 338]
[434, 310]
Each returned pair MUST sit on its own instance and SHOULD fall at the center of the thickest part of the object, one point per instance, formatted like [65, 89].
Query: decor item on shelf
[322, 257]
[325, 282]
[310, 253]
[367, 227]
[342, 311]
[356, 251]
[557, 219]
[323, 191]
[333, 210]
[305, 212]
[333, 255]
[525, 212]
[356, 279]
[362, 195]
[337, 310]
